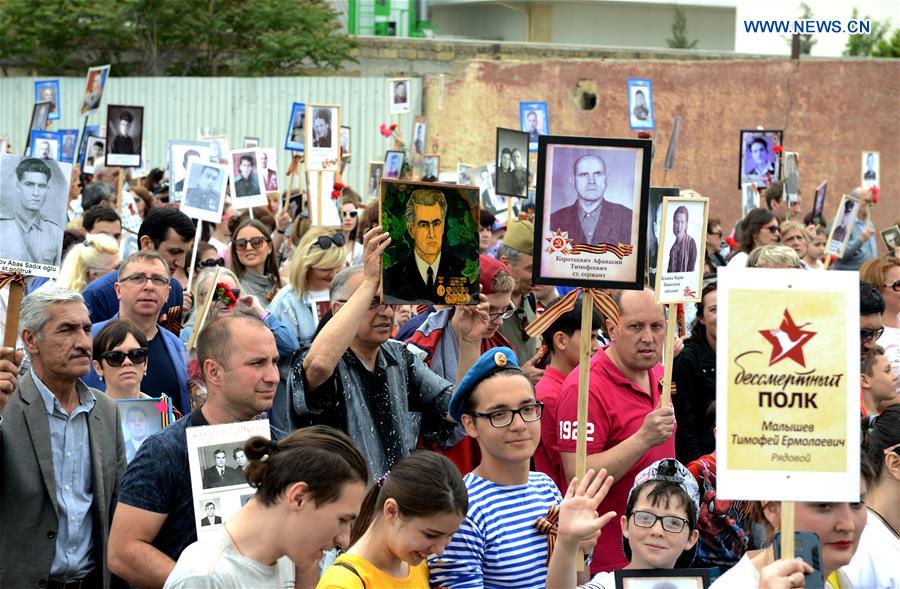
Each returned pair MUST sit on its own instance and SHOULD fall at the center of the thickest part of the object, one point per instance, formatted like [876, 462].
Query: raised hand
[578, 519]
[375, 241]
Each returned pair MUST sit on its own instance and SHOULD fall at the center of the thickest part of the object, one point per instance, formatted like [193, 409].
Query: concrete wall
[486, 21]
[827, 109]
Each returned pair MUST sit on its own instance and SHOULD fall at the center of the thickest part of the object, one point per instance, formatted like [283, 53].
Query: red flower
[731, 242]
[393, 126]
[335, 194]
[385, 131]
[644, 135]
[777, 149]
[874, 191]
[339, 186]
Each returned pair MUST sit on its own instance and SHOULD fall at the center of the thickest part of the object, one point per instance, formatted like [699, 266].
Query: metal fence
[185, 108]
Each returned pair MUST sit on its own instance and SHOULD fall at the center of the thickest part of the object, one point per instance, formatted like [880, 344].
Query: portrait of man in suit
[137, 430]
[211, 518]
[592, 218]
[425, 273]
[205, 193]
[220, 474]
[123, 142]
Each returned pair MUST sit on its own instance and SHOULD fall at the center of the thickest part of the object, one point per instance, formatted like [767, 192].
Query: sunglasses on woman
[212, 263]
[326, 241]
[254, 242]
[894, 286]
[351, 214]
[116, 358]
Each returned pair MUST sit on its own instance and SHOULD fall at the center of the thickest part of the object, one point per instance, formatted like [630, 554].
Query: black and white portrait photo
[393, 164]
[512, 163]
[591, 214]
[376, 171]
[268, 168]
[842, 226]
[124, 132]
[296, 133]
[45, 145]
[679, 276]
[533, 120]
[654, 225]
[640, 104]
[93, 89]
[819, 202]
[209, 511]
[418, 143]
[870, 173]
[345, 142]
[40, 114]
[791, 176]
[891, 238]
[431, 166]
[759, 160]
[48, 91]
[497, 204]
[181, 153]
[138, 419]
[218, 148]
[33, 199]
[94, 153]
[749, 198]
[400, 96]
[246, 181]
[219, 467]
[205, 195]
[68, 138]
[464, 174]
[322, 137]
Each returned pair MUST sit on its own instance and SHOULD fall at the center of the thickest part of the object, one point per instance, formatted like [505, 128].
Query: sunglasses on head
[326, 241]
[212, 263]
[351, 214]
[254, 242]
[116, 358]
[895, 286]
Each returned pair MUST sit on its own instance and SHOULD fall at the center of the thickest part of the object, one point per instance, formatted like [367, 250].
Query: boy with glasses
[659, 526]
[500, 542]
[871, 312]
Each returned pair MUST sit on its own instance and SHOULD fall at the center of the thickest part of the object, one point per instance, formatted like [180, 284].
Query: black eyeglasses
[869, 334]
[141, 279]
[116, 358]
[773, 229]
[255, 242]
[506, 313]
[895, 286]
[504, 417]
[670, 523]
[212, 263]
[351, 214]
[326, 241]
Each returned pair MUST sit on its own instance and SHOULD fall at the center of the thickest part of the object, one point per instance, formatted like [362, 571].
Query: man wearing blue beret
[501, 542]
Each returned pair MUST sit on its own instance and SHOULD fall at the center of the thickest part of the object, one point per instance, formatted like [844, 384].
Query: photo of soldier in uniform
[512, 163]
[400, 96]
[759, 160]
[870, 164]
[640, 104]
[48, 91]
[433, 256]
[431, 165]
[93, 90]
[205, 195]
[125, 129]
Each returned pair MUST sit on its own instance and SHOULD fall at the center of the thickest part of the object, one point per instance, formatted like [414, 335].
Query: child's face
[883, 382]
[654, 547]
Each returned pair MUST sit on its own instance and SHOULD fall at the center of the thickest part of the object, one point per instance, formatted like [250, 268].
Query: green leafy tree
[173, 37]
[807, 42]
[888, 48]
[864, 45]
[679, 38]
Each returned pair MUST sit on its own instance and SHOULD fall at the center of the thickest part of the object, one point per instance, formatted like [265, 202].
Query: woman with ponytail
[880, 542]
[411, 513]
[309, 487]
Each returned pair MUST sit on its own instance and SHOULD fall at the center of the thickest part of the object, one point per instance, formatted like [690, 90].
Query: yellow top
[338, 577]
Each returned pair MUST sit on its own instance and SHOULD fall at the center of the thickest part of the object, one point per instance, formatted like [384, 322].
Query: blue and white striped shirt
[497, 544]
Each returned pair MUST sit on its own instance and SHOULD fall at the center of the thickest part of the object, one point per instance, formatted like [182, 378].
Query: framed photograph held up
[246, 179]
[842, 226]
[433, 256]
[45, 145]
[93, 88]
[204, 196]
[640, 104]
[140, 418]
[323, 140]
[124, 133]
[296, 134]
[662, 578]
[533, 119]
[48, 91]
[759, 162]
[94, 154]
[181, 153]
[682, 251]
[654, 226]
[393, 164]
[68, 139]
[512, 163]
[870, 173]
[819, 203]
[606, 182]
[401, 101]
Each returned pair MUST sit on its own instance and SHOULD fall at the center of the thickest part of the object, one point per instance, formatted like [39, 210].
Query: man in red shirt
[563, 340]
[627, 430]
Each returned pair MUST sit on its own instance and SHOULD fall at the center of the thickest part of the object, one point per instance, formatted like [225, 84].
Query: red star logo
[788, 340]
[162, 406]
[558, 241]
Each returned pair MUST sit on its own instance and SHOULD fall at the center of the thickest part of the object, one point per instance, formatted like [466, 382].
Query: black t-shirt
[160, 377]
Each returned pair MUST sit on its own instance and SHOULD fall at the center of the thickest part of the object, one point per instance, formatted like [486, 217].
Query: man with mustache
[62, 453]
[592, 219]
[143, 287]
[627, 430]
[30, 234]
[155, 518]
[377, 390]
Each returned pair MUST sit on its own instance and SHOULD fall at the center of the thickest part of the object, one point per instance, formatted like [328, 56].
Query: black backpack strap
[350, 568]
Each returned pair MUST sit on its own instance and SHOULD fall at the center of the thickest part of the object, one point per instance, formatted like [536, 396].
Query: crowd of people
[409, 447]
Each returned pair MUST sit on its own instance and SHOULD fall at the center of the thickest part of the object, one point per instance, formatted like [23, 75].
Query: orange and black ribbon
[602, 301]
[548, 525]
[621, 251]
[12, 278]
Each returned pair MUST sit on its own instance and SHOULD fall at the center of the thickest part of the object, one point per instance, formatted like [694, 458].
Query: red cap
[488, 269]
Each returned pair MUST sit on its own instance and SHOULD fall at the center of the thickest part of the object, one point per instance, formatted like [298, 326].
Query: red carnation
[393, 126]
[874, 191]
[777, 149]
[731, 242]
[385, 131]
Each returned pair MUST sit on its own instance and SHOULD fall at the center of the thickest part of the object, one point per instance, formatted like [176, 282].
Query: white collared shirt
[423, 267]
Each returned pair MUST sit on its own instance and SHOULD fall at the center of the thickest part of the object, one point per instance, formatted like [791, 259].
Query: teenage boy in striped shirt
[498, 543]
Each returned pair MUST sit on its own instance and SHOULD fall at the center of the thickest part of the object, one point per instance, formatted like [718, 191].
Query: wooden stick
[119, 188]
[204, 311]
[665, 174]
[16, 292]
[665, 399]
[584, 375]
[194, 254]
[509, 210]
[828, 260]
[318, 199]
[787, 529]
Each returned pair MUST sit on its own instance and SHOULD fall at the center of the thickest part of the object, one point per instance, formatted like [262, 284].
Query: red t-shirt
[616, 410]
[546, 457]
